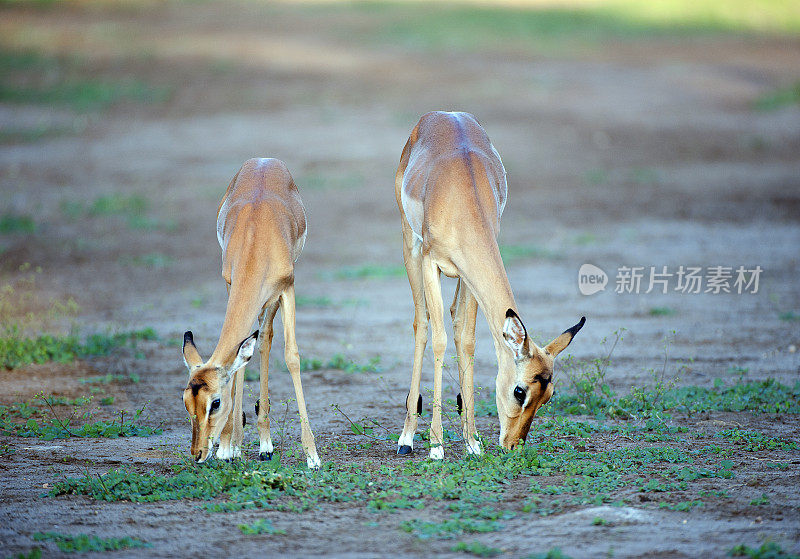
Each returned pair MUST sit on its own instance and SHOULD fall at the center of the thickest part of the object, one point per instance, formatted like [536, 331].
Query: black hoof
[404, 449]
[265, 456]
[256, 407]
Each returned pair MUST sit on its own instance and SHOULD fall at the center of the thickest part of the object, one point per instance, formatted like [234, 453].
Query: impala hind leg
[413, 260]
[293, 363]
[433, 300]
[464, 312]
[262, 404]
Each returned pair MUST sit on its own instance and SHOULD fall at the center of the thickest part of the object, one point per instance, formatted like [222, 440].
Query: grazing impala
[451, 190]
[261, 227]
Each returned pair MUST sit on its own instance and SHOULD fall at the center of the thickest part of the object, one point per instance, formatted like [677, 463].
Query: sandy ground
[642, 153]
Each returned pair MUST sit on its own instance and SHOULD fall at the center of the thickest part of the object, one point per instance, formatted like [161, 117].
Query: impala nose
[198, 456]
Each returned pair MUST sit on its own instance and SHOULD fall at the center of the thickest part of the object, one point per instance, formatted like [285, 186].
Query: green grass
[661, 311]
[17, 350]
[476, 548]
[83, 543]
[512, 254]
[45, 418]
[554, 553]
[260, 526]
[369, 272]
[16, 223]
[155, 260]
[458, 27]
[767, 550]
[28, 77]
[779, 98]
[133, 209]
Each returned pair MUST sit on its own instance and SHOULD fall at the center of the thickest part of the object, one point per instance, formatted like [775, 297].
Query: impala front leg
[225, 451]
[262, 404]
[293, 363]
[433, 300]
[464, 313]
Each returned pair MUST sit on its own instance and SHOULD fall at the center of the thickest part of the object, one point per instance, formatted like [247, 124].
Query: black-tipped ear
[561, 342]
[191, 357]
[515, 334]
[243, 355]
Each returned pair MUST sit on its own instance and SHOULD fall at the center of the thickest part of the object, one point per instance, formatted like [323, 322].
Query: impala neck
[486, 277]
[245, 301]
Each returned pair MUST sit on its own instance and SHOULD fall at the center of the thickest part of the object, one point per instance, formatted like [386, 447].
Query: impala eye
[214, 405]
[519, 394]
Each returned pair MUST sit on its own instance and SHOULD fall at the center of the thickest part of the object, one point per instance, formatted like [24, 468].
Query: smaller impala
[451, 190]
[261, 227]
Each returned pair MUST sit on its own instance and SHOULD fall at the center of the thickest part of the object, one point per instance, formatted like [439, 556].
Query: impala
[261, 228]
[451, 190]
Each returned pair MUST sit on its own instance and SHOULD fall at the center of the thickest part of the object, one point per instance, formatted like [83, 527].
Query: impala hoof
[265, 456]
[404, 449]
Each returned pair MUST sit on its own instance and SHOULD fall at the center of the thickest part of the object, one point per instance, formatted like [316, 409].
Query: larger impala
[261, 227]
[451, 190]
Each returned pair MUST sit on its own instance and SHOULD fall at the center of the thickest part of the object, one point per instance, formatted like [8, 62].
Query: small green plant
[339, 361]
[260, 526]
[512, 254]
[15, 223]
[476, 548]
[767, 550]
[83, 543]
[763, 500]
[600, 521]
[17, 350]
[35, 553]
[789, 316]
[662, 311]
[683, 506]
[779, 98]
[369, 272]
[554, 553]
[44, 422]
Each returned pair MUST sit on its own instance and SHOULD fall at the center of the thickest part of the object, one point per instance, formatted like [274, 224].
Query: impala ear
[560, 343]
[514, 334]
[243, 355]
[191, 357]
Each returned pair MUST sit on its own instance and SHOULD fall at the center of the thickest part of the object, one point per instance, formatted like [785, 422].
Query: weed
[369, 272]
[789, 316]
[448, 528]
[35, 553]
[83, 543]
[683, 506]
[313, 301]
[767, 550]
[554, 553]
[44, 422]
[342, 363]
[753, 441]
[514, 253]
[110, 378]
[779, 98]
[17, 350]
[476, 548]
[15, 223]
[662, 311]
[600, 521]
[763, 500]
[260, 526]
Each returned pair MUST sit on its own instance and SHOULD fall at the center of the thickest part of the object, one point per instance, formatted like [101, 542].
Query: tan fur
[261, 226]
[451, 190]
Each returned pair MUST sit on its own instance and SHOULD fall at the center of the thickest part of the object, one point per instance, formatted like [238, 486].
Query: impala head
[208, 395]
[525, 384]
